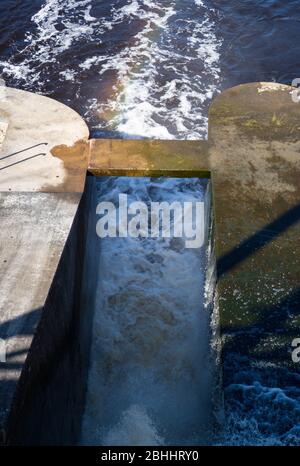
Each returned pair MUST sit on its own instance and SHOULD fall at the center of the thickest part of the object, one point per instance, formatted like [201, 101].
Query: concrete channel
[48, 270]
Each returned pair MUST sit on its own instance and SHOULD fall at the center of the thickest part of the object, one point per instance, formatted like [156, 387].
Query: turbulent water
[150, 376]
[143, 68]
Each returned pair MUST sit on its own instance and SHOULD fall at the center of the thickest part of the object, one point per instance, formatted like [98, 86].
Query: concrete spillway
[48, 270]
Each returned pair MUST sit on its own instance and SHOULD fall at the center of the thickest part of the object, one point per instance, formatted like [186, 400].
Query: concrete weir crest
[47, 205]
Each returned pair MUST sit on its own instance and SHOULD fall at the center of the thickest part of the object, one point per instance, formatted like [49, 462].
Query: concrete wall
[50, 396]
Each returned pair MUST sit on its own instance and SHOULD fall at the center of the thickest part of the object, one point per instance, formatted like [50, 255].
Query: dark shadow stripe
[258, 240]
[24, 150]
[20, 161]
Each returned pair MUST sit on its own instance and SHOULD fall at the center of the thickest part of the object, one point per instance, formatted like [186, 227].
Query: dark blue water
[163, 60]
[143, 68]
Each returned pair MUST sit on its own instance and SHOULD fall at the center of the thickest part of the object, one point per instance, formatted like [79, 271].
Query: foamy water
[150, 369]
[144, 86]
[142, 68]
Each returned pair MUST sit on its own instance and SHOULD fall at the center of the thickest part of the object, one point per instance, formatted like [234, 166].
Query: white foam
[151, 330]
[261, 415]
[134, 428]
[142, 101]
[141, 105]
[45, 43]
[68, 75]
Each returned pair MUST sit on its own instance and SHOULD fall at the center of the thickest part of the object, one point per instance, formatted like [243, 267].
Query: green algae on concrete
[148, 158]
[254, 136]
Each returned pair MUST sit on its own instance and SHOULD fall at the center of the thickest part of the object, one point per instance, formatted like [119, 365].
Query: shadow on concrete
[267, 338]
[23, 160]
[258, 240]
[21, 325]
[270, 321]
[24, 150]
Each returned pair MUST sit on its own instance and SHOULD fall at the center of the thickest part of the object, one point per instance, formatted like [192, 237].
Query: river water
[143, 68]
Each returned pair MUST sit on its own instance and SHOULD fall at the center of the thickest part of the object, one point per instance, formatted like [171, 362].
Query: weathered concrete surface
[31, 244]
[39, 199]
[254, 134]
[50, 395]
[3, 129]
[148, 158]
[37, 129]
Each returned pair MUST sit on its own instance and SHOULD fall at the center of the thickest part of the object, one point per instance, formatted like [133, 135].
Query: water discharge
[150, 355]
[143, 68]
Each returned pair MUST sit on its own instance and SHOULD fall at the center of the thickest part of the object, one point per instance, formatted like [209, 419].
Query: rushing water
[143, 68]
[151, 375]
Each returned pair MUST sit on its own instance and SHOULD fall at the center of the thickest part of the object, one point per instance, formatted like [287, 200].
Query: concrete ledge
[148, 158]
[43, 160]
[38, 128]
